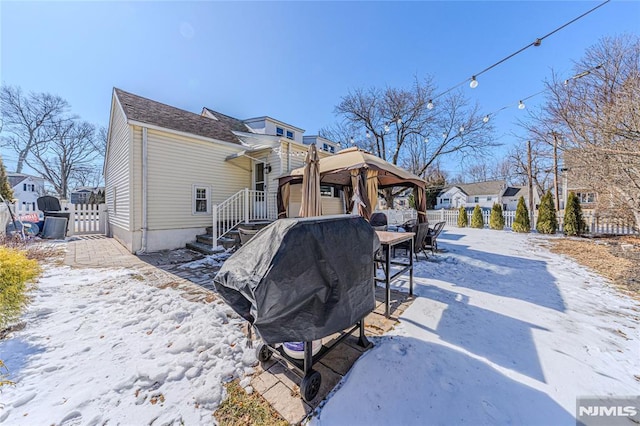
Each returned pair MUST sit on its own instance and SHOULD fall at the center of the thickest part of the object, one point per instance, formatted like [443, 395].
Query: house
[26, 190]
[322, 143]
[87, 195]
[485, 194]
[166, 169]
[512, 194]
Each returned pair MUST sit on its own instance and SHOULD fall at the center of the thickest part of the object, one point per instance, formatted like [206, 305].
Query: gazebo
[360, 175]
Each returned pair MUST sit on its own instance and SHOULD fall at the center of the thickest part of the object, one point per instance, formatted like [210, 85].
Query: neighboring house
[485, 194]
[322, 143]
[87, 195]
[512, 194]
[165, 169]
[26, 190]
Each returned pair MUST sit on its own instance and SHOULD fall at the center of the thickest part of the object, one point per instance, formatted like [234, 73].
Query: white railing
[595, 224]
[83, 218]
[245, 206]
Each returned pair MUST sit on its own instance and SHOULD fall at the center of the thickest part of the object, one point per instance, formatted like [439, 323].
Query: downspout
[143, 249]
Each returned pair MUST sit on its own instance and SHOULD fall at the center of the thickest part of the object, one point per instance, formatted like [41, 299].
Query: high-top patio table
[387, 241]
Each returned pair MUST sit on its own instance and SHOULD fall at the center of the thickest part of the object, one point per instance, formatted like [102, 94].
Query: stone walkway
[278, 385]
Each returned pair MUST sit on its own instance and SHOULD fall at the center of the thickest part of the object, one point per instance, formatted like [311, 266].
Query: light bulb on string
[367, 135]
[461, 129]
[426, 140]
[399, 121]
[352, 141]
[485, 118]
[474, 82]
[386, 128]
[430, 104]
[520, 105]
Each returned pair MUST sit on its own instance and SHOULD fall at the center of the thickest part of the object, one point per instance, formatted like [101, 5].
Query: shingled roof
[146, 111]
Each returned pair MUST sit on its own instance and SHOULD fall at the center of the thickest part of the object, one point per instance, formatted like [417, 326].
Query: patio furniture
[52, 209]
[378, 221]
[431, 240]
[388, 242]
[420, 231]
[246, 234]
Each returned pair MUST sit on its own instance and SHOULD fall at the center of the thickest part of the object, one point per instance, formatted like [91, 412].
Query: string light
[520, 105]
[473, 82]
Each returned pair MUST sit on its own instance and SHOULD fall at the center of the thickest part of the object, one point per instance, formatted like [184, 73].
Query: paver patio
[277, 384]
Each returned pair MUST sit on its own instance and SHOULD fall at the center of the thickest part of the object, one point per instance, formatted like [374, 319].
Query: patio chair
[431, 240]
[421, 231]
[246, 234]
[378, 221]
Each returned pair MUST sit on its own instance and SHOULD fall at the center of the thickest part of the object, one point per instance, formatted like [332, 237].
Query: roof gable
[143, 110]
[490, 187]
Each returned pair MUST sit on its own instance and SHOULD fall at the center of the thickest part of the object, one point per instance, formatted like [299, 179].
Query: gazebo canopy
[360, 174]
[336, 170]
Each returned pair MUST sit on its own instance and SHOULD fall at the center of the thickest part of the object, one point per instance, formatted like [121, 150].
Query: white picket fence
[595, 224]
[83, 218]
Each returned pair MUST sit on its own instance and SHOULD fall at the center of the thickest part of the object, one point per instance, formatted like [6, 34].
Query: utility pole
[555, 170]
[531, 217]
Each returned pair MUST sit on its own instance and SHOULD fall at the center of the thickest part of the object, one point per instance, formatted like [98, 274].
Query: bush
[16, 270]
[3, 376]
[547, 220]
[521, 223]
[463, 219]
[574, 223]
[496, 220]
[477, 221]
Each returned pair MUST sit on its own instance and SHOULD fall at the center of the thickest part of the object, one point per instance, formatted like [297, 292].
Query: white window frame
[293, 134]
[195, 187]
[279, 131]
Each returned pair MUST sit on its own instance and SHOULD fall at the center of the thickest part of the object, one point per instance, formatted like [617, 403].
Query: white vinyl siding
[175, 164]
[118, 170]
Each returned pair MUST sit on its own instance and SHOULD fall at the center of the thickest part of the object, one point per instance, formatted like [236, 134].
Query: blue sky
[293, 60]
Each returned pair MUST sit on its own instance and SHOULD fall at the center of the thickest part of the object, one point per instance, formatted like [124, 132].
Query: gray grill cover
[303, 279]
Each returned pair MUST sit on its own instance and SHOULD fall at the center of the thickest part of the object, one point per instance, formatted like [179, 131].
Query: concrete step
[202, 248]
[205, 239]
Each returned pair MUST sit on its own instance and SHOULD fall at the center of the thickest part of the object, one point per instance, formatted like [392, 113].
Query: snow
[102, 347]
[502, 332]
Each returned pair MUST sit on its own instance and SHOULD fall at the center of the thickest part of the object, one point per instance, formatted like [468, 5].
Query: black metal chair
[431, 240]
[421, 231]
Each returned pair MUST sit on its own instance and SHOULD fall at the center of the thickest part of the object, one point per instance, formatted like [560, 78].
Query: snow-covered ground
[501, 332]
[101, 347]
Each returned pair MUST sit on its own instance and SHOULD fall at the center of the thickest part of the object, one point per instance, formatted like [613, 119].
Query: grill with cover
[302, 280]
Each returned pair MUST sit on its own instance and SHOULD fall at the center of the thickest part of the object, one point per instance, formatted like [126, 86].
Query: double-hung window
[201, 199]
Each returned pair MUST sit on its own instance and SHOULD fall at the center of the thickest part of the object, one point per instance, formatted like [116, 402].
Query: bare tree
[597, 114]
[405, 128]
[71, 150]
[27, 118]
